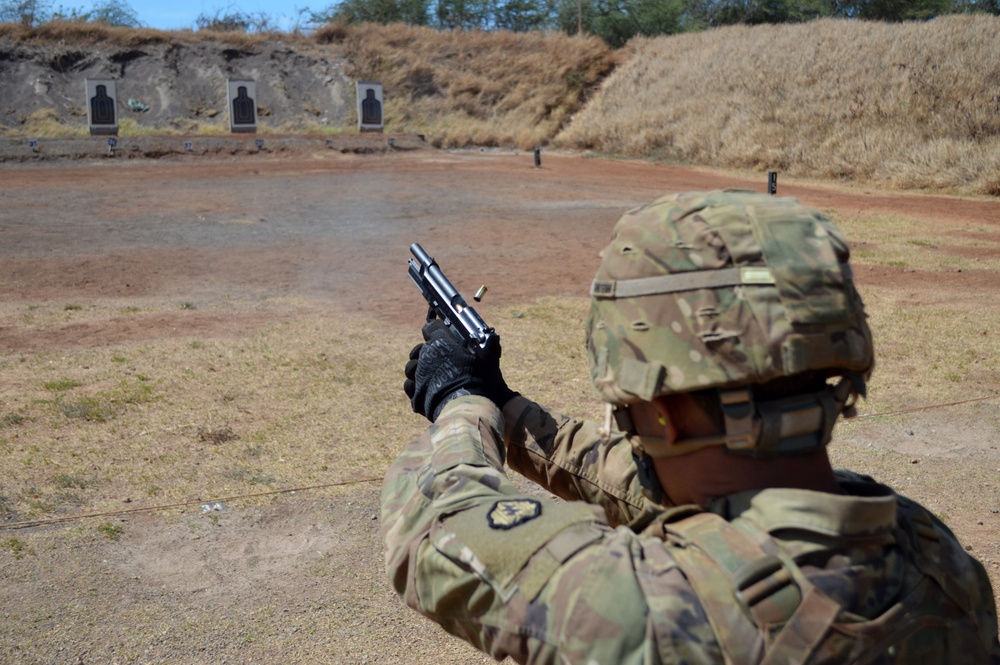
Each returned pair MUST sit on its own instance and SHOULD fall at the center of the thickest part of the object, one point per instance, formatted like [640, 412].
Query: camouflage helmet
[728, 290]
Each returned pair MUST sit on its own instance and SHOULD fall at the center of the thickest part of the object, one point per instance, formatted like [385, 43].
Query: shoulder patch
[508, 513]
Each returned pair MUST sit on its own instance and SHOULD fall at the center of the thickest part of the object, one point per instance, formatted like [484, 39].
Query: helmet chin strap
[657, 447]
[756, 428]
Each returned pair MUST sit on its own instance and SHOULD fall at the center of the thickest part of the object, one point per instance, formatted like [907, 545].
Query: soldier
[708, 526]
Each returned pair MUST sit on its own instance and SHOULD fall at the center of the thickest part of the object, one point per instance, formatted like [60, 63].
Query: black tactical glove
[442, 368]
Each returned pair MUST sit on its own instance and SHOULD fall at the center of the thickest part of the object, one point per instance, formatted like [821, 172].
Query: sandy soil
[334, 228]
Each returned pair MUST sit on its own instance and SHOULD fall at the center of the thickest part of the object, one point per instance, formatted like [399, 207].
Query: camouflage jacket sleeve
[519, 575]
[570, 458]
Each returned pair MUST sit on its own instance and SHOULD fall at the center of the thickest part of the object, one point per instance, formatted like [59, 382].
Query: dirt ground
[332, 228]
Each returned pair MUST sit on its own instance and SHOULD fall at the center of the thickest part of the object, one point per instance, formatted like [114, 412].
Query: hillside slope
[910, 105]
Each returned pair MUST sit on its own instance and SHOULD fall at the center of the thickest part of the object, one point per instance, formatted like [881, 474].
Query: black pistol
[447, 304]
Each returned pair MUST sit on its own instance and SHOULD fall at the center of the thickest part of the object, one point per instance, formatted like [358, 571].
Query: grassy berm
[910, 106]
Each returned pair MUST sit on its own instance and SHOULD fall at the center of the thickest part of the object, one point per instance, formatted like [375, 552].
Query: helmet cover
[723, 289]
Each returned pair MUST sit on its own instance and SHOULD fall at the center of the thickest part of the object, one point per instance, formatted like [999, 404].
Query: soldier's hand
[442, 368]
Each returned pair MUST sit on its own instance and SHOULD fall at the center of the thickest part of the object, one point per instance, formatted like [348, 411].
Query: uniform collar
[866, 509]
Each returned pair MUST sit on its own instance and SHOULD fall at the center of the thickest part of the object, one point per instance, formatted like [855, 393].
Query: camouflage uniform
[722, 291]
[548, 581]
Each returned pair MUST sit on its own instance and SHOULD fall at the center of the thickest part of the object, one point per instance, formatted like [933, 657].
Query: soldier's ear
[645, 419]
[688, 415]
[666, 419]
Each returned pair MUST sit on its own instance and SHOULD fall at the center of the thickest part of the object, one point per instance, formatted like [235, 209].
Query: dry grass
[928, 354]
[311, 400]
[314, 398]
[88, 34]
[910, 105]
[932, 353]
[44, 122]
[889, 240]
[475, 88]
[187, 419]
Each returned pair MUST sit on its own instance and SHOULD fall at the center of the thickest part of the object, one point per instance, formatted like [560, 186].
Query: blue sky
[176, 14]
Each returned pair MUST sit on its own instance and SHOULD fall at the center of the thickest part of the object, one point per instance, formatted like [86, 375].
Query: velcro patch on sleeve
[509, 513]
[498, 538]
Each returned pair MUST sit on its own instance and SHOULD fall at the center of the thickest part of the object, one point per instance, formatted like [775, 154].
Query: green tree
[523, 15]
[463, 14]
[617, 21]
[411, 12]
[702, 14]
[114, 12]
[26, 12]
[226, 20]
[223, 21]
[977, 6]
[769, 11]
[893, 10]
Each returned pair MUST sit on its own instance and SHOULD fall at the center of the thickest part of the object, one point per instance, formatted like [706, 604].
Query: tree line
[615, 21]
[37, 12]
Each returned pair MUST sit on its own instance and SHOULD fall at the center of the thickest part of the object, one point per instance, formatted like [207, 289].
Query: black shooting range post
[538, 157]
[772, 182]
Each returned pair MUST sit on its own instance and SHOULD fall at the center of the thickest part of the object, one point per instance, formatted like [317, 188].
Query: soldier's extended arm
[569, 458]
[513, 574]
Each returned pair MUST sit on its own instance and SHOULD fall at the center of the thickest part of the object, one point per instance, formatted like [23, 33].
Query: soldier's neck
[711, 473]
